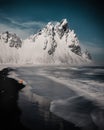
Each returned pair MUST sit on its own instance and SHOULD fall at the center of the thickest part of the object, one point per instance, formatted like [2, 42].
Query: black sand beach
[10, 112]
[17, 112]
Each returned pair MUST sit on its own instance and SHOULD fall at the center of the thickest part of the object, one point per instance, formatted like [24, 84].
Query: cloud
[33, 23]
[20, 32]
[23, 29]
[27, 24]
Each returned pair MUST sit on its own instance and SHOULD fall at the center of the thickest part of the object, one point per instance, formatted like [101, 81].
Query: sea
[60, 97]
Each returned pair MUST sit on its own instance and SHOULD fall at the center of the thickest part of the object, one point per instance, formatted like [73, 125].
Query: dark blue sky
[86, 17]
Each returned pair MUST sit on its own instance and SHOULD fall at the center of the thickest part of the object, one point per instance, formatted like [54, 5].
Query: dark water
[17, 112]
[97, 72]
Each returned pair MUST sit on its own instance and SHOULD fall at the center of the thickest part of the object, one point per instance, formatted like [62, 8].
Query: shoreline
[23, 108]
[12, 109]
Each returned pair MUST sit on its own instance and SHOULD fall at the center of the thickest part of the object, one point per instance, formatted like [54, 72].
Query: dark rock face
[87, 55]
[62, 28]
[76, 49]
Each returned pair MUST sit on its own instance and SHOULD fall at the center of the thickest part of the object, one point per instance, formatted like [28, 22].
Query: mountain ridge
[55, 43]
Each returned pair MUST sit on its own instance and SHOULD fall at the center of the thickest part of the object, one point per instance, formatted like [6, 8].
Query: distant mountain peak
[64, 24]
[11, 38]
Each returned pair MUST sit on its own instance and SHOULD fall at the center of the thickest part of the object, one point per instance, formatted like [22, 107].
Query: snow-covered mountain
[9, 45]
[12, 39]
[54, 44]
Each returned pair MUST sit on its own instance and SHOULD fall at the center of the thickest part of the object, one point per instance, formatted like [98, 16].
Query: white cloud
[27, 23]
[23, 33]
[33, 23]
[22, 29]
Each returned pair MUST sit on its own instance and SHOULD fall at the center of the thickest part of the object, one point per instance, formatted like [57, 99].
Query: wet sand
[16, 112]
[9, 110]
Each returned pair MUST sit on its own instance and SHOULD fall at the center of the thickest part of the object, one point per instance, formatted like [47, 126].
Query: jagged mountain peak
[64, 21]
[57, 33]
[59, 27]
[63, 24]
[58, 42]
[11, 38]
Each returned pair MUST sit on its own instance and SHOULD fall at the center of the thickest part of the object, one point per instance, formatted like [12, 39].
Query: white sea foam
[91, 89]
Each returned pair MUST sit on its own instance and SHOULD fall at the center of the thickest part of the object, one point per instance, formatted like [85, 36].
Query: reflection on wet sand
[85, 114]
[80, 111]
[36, 113]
